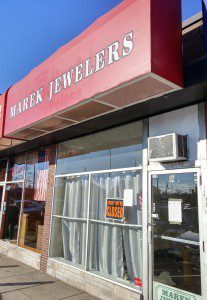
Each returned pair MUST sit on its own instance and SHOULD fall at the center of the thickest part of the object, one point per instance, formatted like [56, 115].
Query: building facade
[103, 158]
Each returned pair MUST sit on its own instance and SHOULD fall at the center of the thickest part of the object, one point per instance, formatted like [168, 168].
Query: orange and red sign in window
[115, 209]
[138, 282]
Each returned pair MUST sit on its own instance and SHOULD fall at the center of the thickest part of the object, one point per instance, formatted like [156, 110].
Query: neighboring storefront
[103, 158]
[23, 186]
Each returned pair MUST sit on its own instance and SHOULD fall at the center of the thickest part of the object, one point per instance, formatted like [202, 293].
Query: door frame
[200, 222]
[2, 207]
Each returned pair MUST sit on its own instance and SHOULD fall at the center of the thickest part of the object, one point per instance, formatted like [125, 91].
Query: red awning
[131, 54]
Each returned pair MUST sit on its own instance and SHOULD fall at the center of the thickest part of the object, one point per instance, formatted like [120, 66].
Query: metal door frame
[150, 236]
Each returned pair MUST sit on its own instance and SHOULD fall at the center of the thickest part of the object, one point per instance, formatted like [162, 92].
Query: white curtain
[74, 231]
[116, 250]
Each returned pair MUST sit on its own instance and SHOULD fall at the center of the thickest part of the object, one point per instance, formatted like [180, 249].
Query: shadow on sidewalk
[11, 266]
[26, 283]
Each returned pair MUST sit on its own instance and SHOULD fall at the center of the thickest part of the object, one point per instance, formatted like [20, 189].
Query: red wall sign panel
[2, 106]
[119, 47]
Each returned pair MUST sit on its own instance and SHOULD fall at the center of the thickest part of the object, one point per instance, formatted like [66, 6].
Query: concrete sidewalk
[21, 282]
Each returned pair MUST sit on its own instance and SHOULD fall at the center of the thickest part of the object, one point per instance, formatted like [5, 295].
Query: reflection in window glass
[176, 236]
[124, 157]
[16, 168]
[13, 196]
[120, 147]
[32, 219]
[3, 164]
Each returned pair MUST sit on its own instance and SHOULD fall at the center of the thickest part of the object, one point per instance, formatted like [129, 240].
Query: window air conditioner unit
[168, 148]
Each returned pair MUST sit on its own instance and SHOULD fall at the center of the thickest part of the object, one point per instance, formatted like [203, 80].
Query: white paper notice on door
[175, 211]
[128, 197]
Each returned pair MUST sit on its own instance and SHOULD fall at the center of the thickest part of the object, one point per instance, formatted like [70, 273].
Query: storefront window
[119, 147]
[116, 244]
[16, 168]
[13, 196]
[97, 216]
[23, 213]
[33, 207]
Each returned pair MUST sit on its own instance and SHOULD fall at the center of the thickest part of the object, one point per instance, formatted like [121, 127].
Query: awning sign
[115, 209]
[137, 47]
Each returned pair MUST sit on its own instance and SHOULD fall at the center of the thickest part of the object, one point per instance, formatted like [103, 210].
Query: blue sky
[30, 31]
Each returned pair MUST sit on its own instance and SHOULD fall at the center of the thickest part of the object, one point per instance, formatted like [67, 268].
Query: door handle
[149, 231]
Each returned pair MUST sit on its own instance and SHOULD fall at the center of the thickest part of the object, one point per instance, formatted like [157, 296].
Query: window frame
[89, 221]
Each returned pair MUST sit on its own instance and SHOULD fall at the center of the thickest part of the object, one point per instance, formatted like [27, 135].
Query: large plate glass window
[119, 147]
[97, 210]
[23, 206]
[116, 237]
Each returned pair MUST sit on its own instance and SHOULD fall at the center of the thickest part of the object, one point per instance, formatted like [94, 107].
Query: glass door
[175, 250]
[11, 211]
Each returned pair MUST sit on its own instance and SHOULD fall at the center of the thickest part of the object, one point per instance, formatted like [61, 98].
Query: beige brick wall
[48, 210]
[98, 287]
[25, 256]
